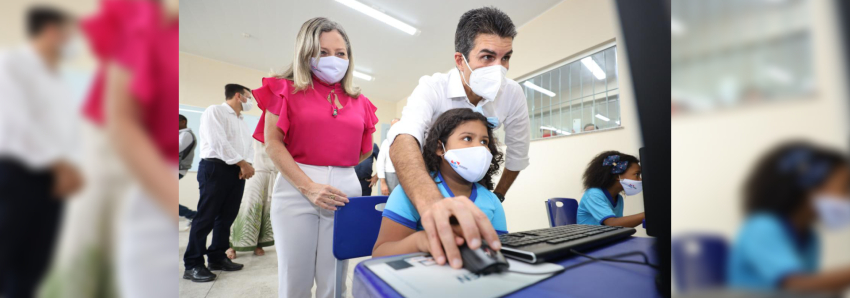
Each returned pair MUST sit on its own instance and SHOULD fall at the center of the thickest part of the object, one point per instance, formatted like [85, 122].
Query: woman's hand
[324, 196]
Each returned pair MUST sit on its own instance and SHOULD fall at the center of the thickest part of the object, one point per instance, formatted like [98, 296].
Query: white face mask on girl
[331, 70]
[631, 187]
[833, 211]
[470, 163]
[485, 81]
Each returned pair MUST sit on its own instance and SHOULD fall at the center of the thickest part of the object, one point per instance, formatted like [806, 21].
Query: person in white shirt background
[483, 48]
[188, 142]
[226, 156]
[384, 166]
[38, 160]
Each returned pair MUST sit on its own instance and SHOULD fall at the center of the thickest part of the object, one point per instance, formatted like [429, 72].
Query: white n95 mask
[331, 70]
[485, 81]
[632, 187]
[470, 163]
[834, 212]
[247, 105]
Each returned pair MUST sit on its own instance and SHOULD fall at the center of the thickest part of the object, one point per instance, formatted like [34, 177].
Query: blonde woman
[317, 127]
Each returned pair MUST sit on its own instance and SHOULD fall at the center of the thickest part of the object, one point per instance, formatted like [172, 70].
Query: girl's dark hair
[598, 176]
[782, 179]
[443, 128]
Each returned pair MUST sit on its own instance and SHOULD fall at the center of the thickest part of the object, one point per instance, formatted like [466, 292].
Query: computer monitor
[645, 28]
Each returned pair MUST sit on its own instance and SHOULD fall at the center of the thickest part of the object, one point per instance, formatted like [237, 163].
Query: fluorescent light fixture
[618, 122]
[677, 28]
[593, 67]
[380, 16]
[364, 76]
[538, 88]
[779, 74]
[602, 117]
[191, 111]
[558, 131]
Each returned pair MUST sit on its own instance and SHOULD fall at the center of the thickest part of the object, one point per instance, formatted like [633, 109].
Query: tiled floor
[257, 279]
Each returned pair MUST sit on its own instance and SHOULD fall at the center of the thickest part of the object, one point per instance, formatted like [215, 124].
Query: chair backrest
[699, 261]
[562, 211]
[356, 226]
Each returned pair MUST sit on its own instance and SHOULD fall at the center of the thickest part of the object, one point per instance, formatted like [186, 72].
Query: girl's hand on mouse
[424, 246]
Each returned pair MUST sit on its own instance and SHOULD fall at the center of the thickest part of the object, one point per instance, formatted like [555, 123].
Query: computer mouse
[483, 260]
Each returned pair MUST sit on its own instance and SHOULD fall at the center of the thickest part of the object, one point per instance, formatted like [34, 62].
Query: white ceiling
[214, 28]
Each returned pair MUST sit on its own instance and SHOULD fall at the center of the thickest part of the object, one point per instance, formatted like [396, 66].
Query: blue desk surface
[597, 279]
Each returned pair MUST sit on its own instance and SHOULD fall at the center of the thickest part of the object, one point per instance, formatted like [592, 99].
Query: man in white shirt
[226, 156]
[384, 166]
[38, 162]
[483, 45]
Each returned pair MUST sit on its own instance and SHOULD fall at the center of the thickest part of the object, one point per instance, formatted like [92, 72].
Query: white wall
[202, 83]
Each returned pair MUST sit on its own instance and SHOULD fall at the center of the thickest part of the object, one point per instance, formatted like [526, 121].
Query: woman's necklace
[335, 112]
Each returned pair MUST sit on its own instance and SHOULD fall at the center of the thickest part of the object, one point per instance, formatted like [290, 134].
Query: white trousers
[145, 252]
[303, 233]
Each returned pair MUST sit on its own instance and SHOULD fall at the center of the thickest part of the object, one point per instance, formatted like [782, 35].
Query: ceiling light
[602, 118]
[593, 67]
[538, 88]
[558, 131]
[677, 28]
[364, 76]
[380, 16]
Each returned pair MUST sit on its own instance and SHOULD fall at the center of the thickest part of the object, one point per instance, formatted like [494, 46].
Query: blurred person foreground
[84, 152]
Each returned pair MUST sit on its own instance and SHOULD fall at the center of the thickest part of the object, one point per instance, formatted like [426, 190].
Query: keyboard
[543, 245]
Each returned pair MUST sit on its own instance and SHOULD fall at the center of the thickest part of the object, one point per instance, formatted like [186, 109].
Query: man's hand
[473, 224]
[67, 180]
[373, 180]
[246, 171]
[385, 190]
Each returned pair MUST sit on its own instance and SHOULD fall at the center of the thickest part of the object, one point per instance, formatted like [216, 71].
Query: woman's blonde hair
[307, 46]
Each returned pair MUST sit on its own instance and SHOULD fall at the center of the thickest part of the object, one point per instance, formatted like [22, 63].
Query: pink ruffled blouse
[312, 134]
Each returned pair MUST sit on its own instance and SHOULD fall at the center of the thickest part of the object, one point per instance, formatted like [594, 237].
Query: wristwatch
[500, 196]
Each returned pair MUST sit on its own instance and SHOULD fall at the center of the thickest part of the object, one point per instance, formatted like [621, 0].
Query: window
[579, 94]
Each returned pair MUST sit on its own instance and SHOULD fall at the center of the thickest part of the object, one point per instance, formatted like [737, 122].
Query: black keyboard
[541, 245]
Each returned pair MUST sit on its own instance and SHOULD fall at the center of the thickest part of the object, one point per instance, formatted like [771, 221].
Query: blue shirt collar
[472, 195]
[610, 198]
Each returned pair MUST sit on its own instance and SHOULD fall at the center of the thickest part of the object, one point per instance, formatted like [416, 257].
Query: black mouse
[483, 260]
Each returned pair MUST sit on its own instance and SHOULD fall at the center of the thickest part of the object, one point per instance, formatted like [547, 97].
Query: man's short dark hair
[590, 125]
[231, 89]
[485, 20]
[183, 118]
[41, 17]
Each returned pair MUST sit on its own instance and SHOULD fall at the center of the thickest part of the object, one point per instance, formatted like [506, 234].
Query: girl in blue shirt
[461, 154]
[791, 189]
[608, 174]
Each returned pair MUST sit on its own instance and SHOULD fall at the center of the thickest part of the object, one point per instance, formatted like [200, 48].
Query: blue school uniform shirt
[767, 250]
[597, 205]
[399, 208]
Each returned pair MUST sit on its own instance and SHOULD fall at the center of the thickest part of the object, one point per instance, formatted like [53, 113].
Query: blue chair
[699, 261]
[356, 227]
[562, 211]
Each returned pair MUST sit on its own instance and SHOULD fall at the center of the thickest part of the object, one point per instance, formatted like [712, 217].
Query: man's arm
[505, 183]
[517, 139]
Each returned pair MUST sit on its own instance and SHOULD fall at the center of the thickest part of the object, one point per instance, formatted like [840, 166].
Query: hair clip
[617, 166]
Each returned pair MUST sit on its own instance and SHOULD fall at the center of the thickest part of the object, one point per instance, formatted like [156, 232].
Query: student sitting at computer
[794, 188]
[608, 174]
[461, 155]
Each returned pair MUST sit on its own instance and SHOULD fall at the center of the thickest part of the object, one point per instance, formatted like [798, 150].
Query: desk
[597, 279]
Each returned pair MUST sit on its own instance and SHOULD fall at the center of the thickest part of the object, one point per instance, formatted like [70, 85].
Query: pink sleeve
[369, 122]
[271, 97]
[140, 46]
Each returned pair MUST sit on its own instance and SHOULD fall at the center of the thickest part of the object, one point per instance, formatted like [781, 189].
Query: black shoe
[199, 274]
[226, 265]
